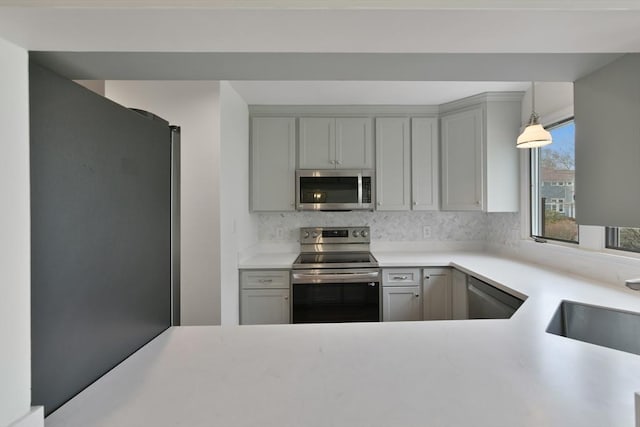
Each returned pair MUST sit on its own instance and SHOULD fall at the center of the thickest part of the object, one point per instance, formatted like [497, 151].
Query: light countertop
[476, 373]
[272, 260]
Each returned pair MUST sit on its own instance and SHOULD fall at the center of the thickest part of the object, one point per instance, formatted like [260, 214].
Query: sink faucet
[633, 284]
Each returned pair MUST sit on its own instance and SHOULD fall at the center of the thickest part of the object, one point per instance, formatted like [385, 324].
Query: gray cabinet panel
[401, 303]
[459, 308]
[273, 163]
[317, 146]
[462, 175]
[425, 162]
[354, 143]
[393, 164]
[264, 297]
[335, 143]
[607, 113]
[436, 294]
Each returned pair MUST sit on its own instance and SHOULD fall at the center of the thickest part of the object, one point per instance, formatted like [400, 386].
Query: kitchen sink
[602, 326]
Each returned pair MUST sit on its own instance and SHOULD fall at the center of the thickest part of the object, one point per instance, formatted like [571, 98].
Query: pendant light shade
[534, 135]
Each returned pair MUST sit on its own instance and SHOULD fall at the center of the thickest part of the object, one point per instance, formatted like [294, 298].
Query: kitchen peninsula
[440, 373]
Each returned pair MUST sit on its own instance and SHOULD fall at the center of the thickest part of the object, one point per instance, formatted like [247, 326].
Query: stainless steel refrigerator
[105, 261]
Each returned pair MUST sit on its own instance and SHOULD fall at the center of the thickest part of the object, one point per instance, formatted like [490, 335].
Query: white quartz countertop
[476, 373]
[272, 260]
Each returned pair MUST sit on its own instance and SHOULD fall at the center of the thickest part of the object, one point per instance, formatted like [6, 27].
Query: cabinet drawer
[264, 279]
[401, 276]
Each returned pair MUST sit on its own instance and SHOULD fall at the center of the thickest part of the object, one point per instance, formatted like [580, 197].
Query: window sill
[554, 242]
[621, 253]
[607, 266]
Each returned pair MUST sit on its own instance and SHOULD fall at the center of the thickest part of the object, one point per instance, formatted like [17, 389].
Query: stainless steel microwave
[335, 189]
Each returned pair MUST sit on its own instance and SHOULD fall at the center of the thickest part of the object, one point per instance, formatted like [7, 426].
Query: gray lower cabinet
[459, 309]
[401, 294]
[264, 297]
[436, 294]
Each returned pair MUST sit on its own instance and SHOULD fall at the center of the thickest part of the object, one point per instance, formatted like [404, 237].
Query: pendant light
[534, 134]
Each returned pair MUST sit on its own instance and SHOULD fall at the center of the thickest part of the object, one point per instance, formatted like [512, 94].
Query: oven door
[336, 295]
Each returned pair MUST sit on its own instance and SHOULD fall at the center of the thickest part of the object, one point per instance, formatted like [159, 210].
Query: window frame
[534, 188]
[612, 240]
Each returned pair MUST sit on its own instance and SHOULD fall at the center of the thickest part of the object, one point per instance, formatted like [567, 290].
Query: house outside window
[553, 184]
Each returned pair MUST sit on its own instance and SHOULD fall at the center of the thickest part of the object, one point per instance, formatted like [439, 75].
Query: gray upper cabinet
[407, 163]
[462, 160]
[317, 148]
[393, 155]
[480, 161]
[335, 143]
[273, 163]
[425, 159]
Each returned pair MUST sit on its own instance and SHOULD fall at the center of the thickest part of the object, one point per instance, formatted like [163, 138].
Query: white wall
[15, 268]
[238, 229]
[554, 101]
[195, 107]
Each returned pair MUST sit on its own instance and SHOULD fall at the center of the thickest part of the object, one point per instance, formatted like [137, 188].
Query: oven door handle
[357, 277]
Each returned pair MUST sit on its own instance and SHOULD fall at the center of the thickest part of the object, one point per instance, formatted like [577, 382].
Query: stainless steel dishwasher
[488, 302]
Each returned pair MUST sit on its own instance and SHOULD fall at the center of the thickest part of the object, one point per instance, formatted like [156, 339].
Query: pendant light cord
[533, 97]
[533, 120]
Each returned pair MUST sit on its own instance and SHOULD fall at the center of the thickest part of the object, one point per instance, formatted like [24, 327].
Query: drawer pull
[400, 277]
[265, 280]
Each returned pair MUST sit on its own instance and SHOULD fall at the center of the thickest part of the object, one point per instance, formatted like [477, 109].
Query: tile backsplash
[503, 229]
[395, 226]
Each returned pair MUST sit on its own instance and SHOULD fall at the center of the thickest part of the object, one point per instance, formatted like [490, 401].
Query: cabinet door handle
[286, 298]
[416, 295]
[339, 162]
[265, 280]
[427, 277]
[400, 277]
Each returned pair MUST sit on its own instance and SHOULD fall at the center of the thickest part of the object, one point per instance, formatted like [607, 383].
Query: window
[552, 186]
[623, 238]
[556, 205]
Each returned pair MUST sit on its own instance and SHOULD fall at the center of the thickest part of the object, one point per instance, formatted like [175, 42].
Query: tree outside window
[553, 178]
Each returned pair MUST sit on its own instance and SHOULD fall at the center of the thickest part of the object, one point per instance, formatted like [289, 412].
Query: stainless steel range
[335, 278]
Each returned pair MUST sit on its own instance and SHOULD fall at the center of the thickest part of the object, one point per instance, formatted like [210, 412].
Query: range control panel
[334, 235]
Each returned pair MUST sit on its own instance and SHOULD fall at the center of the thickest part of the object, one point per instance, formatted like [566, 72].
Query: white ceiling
[339, 4]
[429, 42]
[321, 30]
